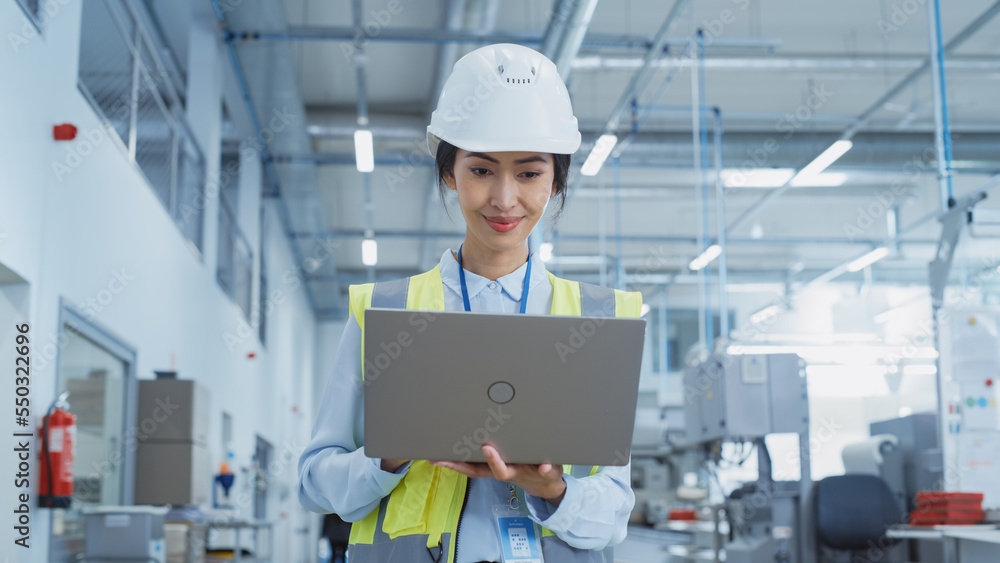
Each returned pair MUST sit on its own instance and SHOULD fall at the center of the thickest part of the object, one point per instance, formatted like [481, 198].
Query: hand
[544, 480]
[392, 465]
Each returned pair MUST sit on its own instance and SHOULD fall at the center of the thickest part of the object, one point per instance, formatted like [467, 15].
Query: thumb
[549, 470]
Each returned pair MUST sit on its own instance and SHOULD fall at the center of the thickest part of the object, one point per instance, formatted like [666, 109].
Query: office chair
[853, 513]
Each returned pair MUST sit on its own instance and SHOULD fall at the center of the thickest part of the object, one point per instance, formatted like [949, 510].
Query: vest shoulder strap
[391, 294]
[596, 301]
[425, 290]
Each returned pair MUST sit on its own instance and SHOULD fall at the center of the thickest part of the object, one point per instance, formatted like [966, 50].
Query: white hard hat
[504, 97]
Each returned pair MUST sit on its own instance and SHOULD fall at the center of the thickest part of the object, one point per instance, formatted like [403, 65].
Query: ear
[449, 179]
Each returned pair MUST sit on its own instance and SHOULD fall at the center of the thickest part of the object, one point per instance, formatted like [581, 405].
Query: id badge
[520, 537]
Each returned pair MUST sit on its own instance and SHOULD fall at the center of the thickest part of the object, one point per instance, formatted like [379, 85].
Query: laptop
[541, 388]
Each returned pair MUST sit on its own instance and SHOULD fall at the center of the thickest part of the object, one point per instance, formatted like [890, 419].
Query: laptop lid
[541, 388]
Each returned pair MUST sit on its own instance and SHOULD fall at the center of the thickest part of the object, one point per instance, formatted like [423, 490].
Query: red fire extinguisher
[58, 438]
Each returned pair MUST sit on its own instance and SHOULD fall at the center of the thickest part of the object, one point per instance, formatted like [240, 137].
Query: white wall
[69, 238]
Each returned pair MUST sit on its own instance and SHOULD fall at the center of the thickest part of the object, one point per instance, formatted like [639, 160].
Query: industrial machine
[745, 398]
[913, 465]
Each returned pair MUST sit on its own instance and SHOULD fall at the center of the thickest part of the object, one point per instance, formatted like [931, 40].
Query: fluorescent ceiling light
[824, 180]
[919, 369]
[602, 148]
[644, 309]
[846, 381]
[757, 177]
[364, 152]
[705, 258]
[868, 259]
[369, 252]
[545, 251]
[828, 157]
[765, 314]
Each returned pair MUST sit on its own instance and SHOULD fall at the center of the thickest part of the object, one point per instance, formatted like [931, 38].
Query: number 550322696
[22, 374]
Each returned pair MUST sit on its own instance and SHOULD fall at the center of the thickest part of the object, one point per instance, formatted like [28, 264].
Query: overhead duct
[565, 32]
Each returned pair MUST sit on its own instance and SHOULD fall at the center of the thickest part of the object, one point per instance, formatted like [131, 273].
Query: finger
[501, 471]
[467, 469]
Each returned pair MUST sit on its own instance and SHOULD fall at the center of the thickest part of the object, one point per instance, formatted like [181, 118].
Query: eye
[479, 171]
[531, 175]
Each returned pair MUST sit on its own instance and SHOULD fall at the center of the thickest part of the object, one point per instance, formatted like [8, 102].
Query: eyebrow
[484, 156]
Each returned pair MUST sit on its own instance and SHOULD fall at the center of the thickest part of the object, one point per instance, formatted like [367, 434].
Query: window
[235, 261]
[262, 463]
[262, 309]
[126, 82]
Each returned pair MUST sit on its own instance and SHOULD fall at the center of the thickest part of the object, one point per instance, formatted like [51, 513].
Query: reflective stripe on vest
[418, 521]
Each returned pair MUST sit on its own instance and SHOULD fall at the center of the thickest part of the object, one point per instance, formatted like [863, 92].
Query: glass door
[96, 370]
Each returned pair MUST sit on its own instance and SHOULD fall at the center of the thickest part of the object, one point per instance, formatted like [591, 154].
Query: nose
[503, 194]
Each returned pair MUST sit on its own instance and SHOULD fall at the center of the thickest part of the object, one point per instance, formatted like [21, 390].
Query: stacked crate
[941, 508]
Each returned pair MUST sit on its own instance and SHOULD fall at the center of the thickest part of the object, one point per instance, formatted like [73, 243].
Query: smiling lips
[503, 224]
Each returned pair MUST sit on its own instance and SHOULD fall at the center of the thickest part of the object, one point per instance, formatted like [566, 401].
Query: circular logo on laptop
[501, 392]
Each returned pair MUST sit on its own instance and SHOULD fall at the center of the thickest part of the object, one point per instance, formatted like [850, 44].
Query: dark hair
[445, 162]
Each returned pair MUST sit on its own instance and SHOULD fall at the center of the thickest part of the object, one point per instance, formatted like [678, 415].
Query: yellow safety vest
[422, 513]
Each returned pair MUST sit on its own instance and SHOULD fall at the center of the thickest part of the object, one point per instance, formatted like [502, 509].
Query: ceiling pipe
[810, 63]
[942, 125]
[777, 241]
[591, 41]
[862, 119]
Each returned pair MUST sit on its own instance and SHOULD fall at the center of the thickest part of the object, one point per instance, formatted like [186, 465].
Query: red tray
[943, 496]
[949, 505]
[947, 515]
[683, 515]
[944, 522]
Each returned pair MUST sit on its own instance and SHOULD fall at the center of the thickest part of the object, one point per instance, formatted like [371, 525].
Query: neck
[492, 264]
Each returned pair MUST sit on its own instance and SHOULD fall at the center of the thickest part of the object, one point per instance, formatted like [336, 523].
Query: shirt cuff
[557, 519]
[388, 479]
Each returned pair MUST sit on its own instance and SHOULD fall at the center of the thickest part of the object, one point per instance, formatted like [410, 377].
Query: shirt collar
[512, 283]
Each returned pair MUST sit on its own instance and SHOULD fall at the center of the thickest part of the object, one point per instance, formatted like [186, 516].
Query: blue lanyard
[465, 290]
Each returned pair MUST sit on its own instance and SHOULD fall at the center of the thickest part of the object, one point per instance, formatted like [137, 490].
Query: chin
[502, 242]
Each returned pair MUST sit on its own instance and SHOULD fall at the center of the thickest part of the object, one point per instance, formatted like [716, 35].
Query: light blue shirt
[335, 475]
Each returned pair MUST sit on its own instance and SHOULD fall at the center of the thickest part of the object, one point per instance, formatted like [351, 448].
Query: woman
[502, 136]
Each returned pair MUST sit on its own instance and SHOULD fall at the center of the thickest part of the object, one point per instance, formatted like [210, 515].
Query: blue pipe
[670, 107]
[265, 152]
[706, 221]
[720, 204]
[946, 126]
[620, 276]
[637, 125]
[664, 336]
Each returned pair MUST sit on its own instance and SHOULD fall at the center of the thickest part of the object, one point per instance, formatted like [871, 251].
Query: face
[502, 195]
